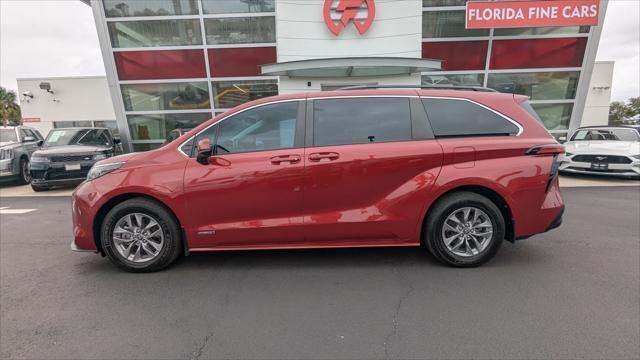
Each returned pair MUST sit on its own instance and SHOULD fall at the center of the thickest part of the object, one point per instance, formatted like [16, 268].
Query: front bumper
[8, 168]
[55, 173]
[631, 169]
[618, 170]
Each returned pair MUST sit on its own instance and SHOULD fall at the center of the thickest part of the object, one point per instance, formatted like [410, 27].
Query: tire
[140, 208]
[25, 176]
[39, 188]
[456, 204]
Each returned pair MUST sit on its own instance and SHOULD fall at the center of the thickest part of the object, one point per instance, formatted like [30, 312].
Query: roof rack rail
[439, 87]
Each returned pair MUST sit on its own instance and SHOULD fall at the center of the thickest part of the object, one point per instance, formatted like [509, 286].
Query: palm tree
[9, 109]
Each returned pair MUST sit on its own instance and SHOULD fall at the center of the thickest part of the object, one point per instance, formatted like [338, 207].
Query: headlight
[99, 156]
[39, 159]
[99, 170]
[6, 154]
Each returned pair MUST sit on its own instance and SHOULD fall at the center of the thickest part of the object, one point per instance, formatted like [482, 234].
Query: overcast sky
[58, 38]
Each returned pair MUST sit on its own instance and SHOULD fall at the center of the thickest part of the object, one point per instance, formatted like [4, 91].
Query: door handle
[324, 155]
[292, 159]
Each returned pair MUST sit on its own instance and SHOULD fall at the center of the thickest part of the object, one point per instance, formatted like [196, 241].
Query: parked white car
[604, 150]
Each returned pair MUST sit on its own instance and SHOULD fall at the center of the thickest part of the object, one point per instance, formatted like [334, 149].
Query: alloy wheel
[467, 231]
[138, 237]
[26, 175]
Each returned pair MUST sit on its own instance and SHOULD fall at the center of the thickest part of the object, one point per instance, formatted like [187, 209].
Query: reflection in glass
[157, 126]
[476, 80]
[111, 125]
[235, 6]
[246, 30]
[228, 94]
[538, 85]
[127, 34]
[126, 8]
[554, 116]
[146, 146]
[442, 24]
[165, 96]
[548, 30]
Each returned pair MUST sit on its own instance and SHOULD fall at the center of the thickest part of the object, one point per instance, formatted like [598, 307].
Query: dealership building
[176, 63]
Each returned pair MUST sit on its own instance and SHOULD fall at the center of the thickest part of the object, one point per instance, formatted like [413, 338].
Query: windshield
[91, 137]
[606, 135]
[8, 135]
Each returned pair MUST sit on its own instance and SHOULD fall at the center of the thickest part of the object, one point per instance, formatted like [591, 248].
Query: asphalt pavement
[570, 293]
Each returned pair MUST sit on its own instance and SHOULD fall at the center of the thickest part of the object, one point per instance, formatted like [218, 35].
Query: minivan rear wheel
[140, 235]
[464, 229]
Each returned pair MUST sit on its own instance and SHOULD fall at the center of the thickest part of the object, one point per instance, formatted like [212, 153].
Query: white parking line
[6, 211]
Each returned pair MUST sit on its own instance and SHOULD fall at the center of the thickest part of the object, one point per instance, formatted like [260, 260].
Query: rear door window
[451, 118]
[360, 120]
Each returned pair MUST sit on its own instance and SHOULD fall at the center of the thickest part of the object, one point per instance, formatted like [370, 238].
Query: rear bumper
[557, 221]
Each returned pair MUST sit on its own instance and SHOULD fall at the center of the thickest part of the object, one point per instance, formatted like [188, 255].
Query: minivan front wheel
[464, 229]
[140, 235]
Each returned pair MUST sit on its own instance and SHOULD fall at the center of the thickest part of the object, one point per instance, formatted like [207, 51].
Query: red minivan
[455, 171]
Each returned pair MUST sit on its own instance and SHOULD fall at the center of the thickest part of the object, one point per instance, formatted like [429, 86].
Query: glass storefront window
[128, 34]
[165, 96]
[228, 94]
[430, 3]
[554, 116]
[126, 8]
[68, 124]
[245, 30]
[157, 126]
[111, 125]
[160, 64]
[476, 80]
[444, 24]
[537, 85]
[549, 30]
[538, 53]
[235, 6]
[456, 55]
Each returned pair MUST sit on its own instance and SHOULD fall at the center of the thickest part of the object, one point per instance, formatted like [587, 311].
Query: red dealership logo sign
[513, 14]
[360, 12]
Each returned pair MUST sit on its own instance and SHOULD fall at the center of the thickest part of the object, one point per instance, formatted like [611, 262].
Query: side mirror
[562, 138]
[117, 141]
[28, 139]
[204, 151]
[40, 142]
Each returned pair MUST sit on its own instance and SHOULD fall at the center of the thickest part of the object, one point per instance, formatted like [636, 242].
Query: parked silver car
[17, 143]
[603, 150]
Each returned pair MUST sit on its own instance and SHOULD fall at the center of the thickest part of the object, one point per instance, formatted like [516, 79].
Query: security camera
[46, 86]
[28, 94]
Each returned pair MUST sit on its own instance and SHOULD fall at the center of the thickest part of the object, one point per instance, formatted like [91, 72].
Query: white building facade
[48, 103]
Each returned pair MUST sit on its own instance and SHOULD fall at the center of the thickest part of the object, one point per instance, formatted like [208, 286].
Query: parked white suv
[603, 150]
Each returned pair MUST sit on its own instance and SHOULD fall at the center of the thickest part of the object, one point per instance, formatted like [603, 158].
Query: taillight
[555, 150]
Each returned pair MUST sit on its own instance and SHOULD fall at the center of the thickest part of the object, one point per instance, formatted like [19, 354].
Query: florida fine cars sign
[513, 14]
[360, 12]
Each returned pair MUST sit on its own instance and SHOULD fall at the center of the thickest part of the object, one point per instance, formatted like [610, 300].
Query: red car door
[250, 195]
[370, 165]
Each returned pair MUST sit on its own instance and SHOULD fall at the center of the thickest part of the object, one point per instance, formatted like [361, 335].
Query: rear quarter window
[451, 118]
[361, 120]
